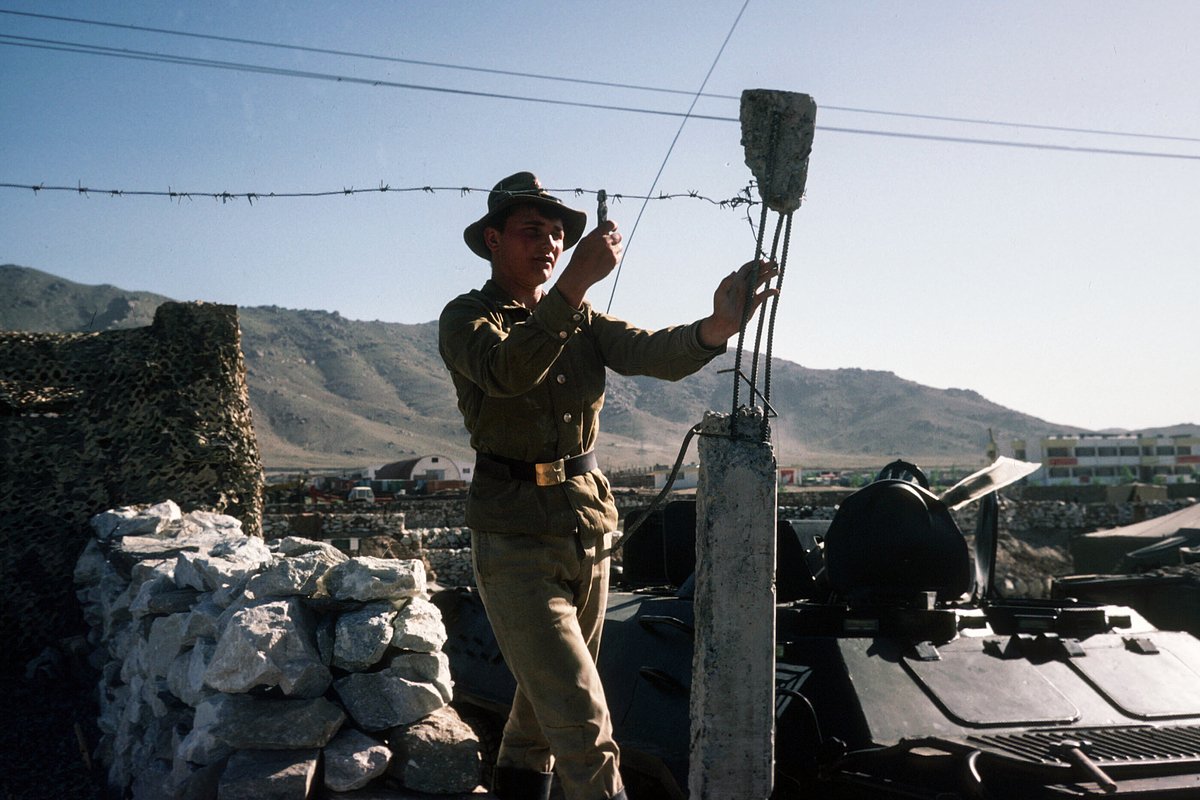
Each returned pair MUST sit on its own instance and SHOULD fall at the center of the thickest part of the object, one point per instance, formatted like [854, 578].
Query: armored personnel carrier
[899, 671]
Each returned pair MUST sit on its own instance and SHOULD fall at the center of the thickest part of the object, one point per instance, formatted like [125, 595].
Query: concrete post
[733, 667]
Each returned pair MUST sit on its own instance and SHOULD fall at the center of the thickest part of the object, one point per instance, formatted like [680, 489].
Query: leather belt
[551, 473]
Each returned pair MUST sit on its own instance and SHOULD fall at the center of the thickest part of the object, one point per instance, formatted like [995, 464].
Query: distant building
[689, 476]
[1111, 458]
[417, 473]
[789, 476]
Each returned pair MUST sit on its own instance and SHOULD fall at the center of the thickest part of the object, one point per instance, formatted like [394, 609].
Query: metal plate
[979, 689]
[1143, 685]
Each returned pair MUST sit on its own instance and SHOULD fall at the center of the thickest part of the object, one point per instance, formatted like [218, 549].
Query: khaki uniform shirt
[530, 386]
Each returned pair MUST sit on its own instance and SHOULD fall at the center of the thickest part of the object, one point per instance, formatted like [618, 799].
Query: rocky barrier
[235, 668]
[1034, 545]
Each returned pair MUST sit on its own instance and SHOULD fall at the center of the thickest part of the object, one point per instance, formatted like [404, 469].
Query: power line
[671, 149]
[581, 81]
[141, 55]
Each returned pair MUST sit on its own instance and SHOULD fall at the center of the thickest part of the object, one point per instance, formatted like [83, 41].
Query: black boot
[513, 783]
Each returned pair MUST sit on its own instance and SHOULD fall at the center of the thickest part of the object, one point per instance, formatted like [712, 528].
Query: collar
[495, 292]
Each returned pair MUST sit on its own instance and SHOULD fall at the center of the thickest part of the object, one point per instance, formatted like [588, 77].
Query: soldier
[528, 365]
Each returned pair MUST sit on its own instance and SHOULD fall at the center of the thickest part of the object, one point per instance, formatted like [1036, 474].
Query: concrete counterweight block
[777, 133]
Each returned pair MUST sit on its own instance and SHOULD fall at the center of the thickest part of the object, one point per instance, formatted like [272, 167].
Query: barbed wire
[743, 198]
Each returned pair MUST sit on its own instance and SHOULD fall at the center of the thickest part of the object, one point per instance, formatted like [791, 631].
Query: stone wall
[91, 421]
[1034, 535]
[231, 668]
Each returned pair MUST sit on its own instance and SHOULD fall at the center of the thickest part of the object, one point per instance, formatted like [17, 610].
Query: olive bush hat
[520, 189]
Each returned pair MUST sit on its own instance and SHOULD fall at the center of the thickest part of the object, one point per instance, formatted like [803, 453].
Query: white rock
[366, 579]
[419, 627]
[269, 644]
[135, 520]
[361, 637]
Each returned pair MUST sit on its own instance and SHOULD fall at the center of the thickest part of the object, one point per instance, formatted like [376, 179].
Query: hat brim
[574, 222]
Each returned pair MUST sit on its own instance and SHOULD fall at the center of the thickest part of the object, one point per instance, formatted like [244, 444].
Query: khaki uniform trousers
[545, 597]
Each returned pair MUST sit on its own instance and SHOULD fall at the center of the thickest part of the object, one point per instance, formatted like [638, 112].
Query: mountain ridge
[328, 392]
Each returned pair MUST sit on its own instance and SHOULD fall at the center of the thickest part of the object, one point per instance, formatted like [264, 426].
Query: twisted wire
[752, 280]
[787, 236]
[762, 313]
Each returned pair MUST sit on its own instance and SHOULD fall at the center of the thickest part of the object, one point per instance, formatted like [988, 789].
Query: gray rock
[171, 601]
[294, 546]
[134, 664]
[366, 579]
[293, 575]
[430, 668]
[145, 548]
[164, 644]
[185, 678]
[157, 698]
[91, 565]
[194, 781]
[438, 754]
[210, 521]
[269, 644]
[418, 626]
[354, 759]
[202, 624]
[135, 520]
[227, 722]
[385, 699]
[232, 592]
[268, 775]
[220, 562]
[163, 733]
[152, 781]
[326, 632]
[112, 700]
[361, 637]
[202, 745]
[114, 603]
[105, 523]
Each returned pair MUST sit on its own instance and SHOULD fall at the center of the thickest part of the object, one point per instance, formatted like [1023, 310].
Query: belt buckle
[550, 474]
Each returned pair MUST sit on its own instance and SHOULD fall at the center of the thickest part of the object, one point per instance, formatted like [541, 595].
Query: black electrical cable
[657, 501]
[137, 55]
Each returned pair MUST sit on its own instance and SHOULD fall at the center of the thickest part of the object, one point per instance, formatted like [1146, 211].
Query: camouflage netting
[94, 421]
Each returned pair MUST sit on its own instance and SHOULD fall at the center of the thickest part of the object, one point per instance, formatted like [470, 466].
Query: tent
[1104, 551]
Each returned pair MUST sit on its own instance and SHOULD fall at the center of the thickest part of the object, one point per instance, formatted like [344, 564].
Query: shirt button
[561, 378]
[577, 317]
[562, 334]
[567, 417]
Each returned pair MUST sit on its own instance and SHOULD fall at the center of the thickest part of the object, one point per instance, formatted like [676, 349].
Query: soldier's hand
[729, 301]
[593, 258]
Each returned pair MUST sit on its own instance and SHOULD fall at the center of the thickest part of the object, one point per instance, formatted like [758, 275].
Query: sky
[1056, 272]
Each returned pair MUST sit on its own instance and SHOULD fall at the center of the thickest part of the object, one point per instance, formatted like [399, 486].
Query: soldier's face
[528, 247]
